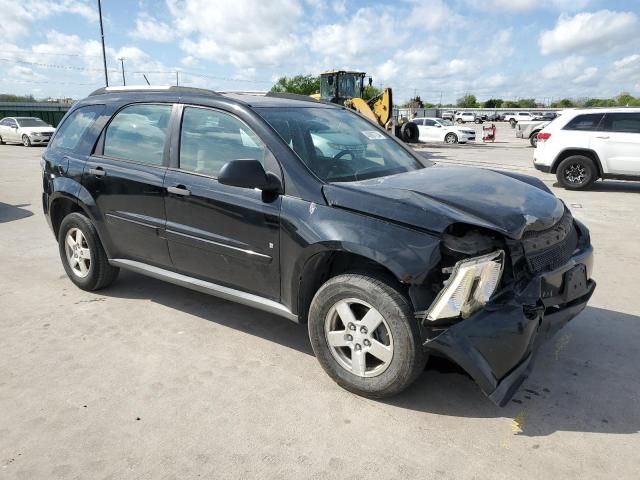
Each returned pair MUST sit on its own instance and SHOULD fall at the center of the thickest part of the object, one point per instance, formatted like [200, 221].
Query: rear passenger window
[68, 134]
[211, 138]
[138, 133]
[622, 122]
[586, 122]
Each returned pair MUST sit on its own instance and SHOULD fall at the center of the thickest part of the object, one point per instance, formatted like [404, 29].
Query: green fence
[51, 113]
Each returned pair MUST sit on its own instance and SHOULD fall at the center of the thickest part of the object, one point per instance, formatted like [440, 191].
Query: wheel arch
[578, 151]
[328, 263]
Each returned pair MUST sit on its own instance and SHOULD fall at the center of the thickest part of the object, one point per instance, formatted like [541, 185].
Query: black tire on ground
[459, 120]
[101, 273]
[26, 141]
[512, 122]
[450, 138]
[1, 141]
[533, 139]
[408, 359]
[477, 120]
[410, 132]
[577, 172]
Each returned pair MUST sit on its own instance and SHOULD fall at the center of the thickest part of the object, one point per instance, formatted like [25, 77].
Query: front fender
[309, 229]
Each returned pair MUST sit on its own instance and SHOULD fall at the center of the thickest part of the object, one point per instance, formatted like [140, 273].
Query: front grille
[549, 249]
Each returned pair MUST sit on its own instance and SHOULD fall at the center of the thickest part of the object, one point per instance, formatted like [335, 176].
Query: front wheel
[26, 141]
[451, 138]
[365, 336]
[576, 172]
[533, 139]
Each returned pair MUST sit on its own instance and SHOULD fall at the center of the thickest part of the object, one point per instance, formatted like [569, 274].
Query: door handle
[605, 137]
[179, 190]
[98, 172]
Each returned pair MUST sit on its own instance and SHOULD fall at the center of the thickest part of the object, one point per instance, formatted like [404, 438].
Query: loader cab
[338, 86]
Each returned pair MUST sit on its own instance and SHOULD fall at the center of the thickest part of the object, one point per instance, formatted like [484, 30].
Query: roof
[254, 99]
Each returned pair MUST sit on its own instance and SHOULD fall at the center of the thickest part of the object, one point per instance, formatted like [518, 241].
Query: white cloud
[243, 33]
[524, 5]
[430, 15]
[593, 32]
[16, 18]
[626, 62]
[566, 67]
[588, 76]
[149, 28]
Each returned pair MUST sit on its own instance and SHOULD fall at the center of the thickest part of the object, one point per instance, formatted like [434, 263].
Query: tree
[300, 85]
[8, 97]
[414, 102]
[370, 92]
[599, 102]
[509, 104]
[564, 103]
[527, 103]
[493, 103]
[625, 99]
[468, 101]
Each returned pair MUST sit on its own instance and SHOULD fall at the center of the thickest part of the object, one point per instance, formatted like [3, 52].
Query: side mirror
[248, 174]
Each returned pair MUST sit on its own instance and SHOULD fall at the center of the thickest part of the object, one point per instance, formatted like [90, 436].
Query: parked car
[440, 130]
[493, 117]
[448, 115]
[530, 129]
[26, 130]
[387, 258]
[516, 117]
[505, 115]
[583, 145]
[548, 116]
[464, 117]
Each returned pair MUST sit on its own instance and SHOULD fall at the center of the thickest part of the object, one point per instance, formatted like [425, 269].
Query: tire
[459, 120]
[410, 132]
[512, 122]
[402, 346]
[478, 121]
[26, 141]
[577, 172]
[533, 139]
[450, 138]
[99, 273]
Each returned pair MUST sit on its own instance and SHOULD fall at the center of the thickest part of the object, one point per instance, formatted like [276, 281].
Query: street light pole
[124, 80]
[104, 54]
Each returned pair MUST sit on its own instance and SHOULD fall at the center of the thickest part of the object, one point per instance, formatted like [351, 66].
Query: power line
[51, 65]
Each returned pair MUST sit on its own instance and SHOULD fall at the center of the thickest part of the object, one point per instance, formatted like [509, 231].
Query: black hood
[434, 198]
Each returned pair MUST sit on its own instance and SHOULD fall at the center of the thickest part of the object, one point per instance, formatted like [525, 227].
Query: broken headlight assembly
[470, 286]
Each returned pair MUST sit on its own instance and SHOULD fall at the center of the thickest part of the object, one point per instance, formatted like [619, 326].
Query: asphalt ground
[146, 380]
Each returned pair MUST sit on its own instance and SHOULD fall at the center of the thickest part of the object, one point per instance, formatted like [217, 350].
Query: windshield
[337, 145]
[31, 122]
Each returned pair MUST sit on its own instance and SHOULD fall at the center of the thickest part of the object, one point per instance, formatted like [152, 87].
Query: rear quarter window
[585, 122]
[622, 122]
[69, 134]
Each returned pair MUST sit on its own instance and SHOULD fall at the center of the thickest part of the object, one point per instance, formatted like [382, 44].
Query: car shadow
[9, 213]
[578, 382]
[611, 186]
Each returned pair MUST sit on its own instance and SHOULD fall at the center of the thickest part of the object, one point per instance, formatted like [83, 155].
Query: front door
[223, 234]
[125, 177]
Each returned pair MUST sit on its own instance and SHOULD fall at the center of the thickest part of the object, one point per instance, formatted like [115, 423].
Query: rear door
[618, 143]
[125, 177]
[223, 234]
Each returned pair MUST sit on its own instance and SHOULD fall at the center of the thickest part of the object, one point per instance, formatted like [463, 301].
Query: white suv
[463, 117]
[583, 145]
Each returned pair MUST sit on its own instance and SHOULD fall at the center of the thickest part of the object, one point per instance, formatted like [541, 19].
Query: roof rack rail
[294, 96]
[153, 88]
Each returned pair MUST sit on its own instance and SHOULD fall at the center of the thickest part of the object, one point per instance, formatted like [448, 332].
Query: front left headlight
[470, 286]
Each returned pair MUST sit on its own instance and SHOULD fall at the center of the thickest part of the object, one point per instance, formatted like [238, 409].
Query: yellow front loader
[347, 88]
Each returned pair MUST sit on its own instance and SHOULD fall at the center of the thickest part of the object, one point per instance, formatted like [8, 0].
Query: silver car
[25, 130]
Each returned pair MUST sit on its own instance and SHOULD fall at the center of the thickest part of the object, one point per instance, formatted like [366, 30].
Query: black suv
[308, 211]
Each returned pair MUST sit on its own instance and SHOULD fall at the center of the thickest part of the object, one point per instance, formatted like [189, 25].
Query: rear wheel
[451, 138]
[82, 255]
[459, 120]
[26, 141]
[364, 335]
[1, 141]
[533, 139]
[512, 122]
[576, 172]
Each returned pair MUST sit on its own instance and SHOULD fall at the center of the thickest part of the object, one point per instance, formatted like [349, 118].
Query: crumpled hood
[433, 198]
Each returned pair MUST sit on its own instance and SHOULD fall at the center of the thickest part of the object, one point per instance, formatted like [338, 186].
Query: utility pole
[104, 54]
[177, 77]
[124, 80]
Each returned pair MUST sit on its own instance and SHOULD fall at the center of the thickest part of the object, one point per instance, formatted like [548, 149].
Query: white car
[439, 130]
[463, 117]
[25, 130]
[516, 117]
[583, 145]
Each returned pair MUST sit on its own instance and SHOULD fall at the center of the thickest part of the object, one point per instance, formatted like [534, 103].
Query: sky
[439, 50]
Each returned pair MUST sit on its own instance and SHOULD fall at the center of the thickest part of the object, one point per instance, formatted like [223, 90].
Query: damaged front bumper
[496, 345]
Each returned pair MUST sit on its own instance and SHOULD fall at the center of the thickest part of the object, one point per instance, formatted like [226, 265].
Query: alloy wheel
[358, 337]
[575, 173]
[78, 253]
